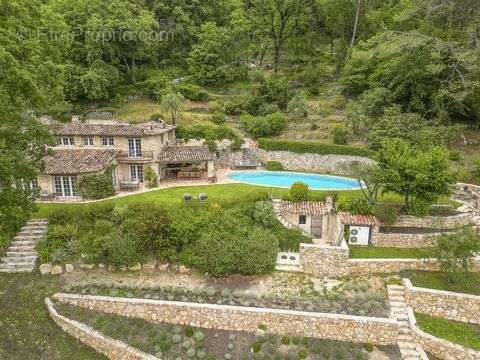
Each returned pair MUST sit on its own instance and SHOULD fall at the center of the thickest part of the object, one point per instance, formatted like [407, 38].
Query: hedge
[314, 147]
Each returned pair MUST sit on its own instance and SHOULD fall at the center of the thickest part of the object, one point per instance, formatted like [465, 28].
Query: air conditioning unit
[359, 235]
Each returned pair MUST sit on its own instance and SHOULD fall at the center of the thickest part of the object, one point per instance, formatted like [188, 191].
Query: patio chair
[186, 175]
[202, 197]
[198, 175]
[192, 175]
[187, 197]
[180, 175]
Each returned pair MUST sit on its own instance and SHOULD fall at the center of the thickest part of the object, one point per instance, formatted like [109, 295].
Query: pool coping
[291, 172]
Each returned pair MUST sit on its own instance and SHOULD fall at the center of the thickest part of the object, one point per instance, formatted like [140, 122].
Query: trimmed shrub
[120, 251]
[266, 109]
[264, 215]
[157, 117]
[58, 245]
[290, 239]
[299, 191]
[358, 206]
[95, 186]
[298, 107]
[269, 125]
[207, 132]
[218, 118]
[339, 134]
[303, 147]
[274, 166]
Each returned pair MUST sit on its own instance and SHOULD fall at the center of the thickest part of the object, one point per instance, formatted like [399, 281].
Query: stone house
[124, 149]
[321, 221]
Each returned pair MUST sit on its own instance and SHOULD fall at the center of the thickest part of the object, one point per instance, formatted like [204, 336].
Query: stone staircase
[399, 311]
[21, 255]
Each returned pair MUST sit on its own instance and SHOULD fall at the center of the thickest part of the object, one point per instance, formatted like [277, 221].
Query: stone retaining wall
[446, 304]
[111, 348]
[350, 328]
[405, 240]
[436, 222]
[441, 349]
[327, 164]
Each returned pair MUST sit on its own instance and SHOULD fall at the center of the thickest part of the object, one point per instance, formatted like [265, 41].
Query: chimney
[330, 204]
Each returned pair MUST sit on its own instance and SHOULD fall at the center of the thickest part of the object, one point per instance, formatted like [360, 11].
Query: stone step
[25, 270]
[22, 248]
[24, 242]
[404, 331]
[20, 253]
[28, 237]
[35, 228]
[402, 317]
[19, 259]
[18, 266]
[412, 353]
[396, 298]
[289, 268]
[405, 338]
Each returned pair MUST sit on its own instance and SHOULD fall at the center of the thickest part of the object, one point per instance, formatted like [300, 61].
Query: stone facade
[324, 260]
[441, 349]
[111, 348]
[436, 222]
[340, 327]
[445, 304]
[327, 164]
[405, 240]
[372, 266]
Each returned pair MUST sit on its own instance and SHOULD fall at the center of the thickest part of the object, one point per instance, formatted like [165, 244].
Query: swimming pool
[284, 179]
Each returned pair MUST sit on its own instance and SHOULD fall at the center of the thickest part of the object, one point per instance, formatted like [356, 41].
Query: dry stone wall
[445, 304]
[329, 164]
[441, 349]
[235, 318]
[111, 348]
[437, 222]
[323, 260]
[405, 240]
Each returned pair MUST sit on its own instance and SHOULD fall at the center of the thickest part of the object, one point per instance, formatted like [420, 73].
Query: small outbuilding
[361, 229]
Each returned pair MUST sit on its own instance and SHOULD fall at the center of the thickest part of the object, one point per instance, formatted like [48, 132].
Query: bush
[269, 125]
[157, 117]
[264, 215]
[359, 206]
[151, 177]
[207, 132]
[58, 245]
[298, 107]
[274, 166]
[299, 191]
[148, 224]
[157, 85]
[266, 109]
[476, 169]
[121, 251]
[339, 134]
[218, 118]
[230, 247]
[95, 186]
[386, 213]
[192, 92]
[303, 147]
[290, 239]
[274, 90]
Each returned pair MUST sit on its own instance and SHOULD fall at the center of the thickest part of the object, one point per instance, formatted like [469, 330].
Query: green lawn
[468, 283]
[27, 332]
[464, 334]
[223, 192]
[364, 252]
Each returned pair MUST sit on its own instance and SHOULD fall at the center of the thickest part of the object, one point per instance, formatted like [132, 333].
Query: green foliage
[302, 147]
[258, 126]
[298, 106]
[377, 252]
[358, 206]
[157, 117]
[387, 214]
[207, 132]
[172, 104]
[274, 166]
[456, 252]
[218, 118]
[151, 177]
[476, 169]
[421, 176]
[192, 92]
[274, 90]
[264, 215]
[58, 245]
[120, 250]
[228, 247]
[285, 340]
[95, 186]
[339, 134]
[299, 191]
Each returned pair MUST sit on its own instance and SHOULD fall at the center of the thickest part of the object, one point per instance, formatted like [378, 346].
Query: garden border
[111, 348]
[352, 328]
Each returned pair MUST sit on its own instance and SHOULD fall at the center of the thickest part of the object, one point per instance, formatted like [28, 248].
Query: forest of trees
[420, 55]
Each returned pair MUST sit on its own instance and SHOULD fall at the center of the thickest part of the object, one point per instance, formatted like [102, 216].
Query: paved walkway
[21, 255]
[398, 311]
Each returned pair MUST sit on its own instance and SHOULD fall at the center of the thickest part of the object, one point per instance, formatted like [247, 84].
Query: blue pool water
[285, 179]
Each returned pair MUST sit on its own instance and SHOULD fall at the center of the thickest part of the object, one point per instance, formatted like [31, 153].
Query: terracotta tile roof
[78, 161]
[350, 219]
[111, 128]
[178, 154]
[305, 207]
